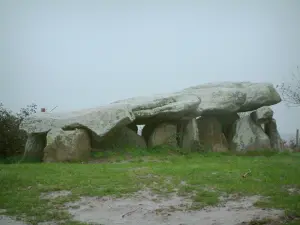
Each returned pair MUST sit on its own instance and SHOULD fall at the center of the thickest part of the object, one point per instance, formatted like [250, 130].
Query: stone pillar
[188, 135]
[272, 132]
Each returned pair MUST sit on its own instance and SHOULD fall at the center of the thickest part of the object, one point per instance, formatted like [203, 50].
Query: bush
[12, 139]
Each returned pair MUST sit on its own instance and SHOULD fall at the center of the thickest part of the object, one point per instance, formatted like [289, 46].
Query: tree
[12, 139]
[290, 91]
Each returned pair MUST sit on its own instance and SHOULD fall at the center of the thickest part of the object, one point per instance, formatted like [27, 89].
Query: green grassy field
[208, 174]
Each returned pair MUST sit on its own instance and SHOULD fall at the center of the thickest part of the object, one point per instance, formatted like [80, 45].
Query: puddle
[5, 220]
[293, 191]
[148, 208]
[55, 194]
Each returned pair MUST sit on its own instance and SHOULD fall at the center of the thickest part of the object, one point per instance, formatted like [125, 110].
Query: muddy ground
[145, 207]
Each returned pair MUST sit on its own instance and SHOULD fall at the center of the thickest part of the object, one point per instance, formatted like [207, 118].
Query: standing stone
[34, 147]
[164, 134]
[148, 130]
[262, 115]
[211, 135]
[249, 136]
[272, 132]
[122, 138]
[227, 120]
[67, 146]
[189, 135]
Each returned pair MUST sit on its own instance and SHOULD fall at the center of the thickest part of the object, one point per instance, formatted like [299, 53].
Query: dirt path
[147, 208]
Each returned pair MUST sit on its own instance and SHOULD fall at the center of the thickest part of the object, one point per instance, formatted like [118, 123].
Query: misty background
[82, 54]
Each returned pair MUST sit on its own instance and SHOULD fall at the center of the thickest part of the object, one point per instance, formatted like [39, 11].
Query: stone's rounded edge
[276, 95]
[259, 95]
[219, 98]
[115, 115]
[33, 124]
[174, 106]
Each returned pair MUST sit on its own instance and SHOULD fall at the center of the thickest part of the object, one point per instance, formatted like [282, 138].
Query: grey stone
[189, 135]
[249, 136]
[98, 121]
[262, 115]
[122, 138]
[164, 134]
[211, 135]
[202, 100]
[227, 120]
[163, 107]
[34, 147]
[68, 146]
[272, 132]
[207, 99]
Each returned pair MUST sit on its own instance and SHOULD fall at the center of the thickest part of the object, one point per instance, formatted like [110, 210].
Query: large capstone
[207, 99]
[98, 121]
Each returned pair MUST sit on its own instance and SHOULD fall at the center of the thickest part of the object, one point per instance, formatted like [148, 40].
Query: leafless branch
[290, 91]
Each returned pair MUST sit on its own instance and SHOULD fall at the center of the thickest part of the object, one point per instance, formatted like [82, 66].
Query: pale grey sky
[78, 54]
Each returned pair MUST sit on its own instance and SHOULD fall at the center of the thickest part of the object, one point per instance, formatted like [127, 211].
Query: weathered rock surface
[226, 121]
[206, 99]
[262, 115]
[68, 146]
[99, 121]
[122, 138]
[189, 135]
[149, 128]
[213, 99]
[34, 147]
[162, 107]
[211, 135]
[249, 136]
[272, 132]
[164, 134]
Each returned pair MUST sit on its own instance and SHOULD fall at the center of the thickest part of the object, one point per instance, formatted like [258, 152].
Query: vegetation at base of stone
[12, 139]
[161, 151]
[208, 175]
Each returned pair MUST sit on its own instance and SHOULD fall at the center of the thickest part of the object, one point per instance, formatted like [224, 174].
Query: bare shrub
[12, 139]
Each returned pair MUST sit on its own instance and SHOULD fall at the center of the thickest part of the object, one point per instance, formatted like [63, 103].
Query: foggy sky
[77, 54]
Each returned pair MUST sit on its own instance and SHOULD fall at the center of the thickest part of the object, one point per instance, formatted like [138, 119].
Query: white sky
[77, 54]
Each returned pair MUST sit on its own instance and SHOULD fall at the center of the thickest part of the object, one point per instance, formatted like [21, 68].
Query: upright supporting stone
[34, 148]
[67, 146]
[211, 135]
[272, 132]
[163, 135]
[249, 136]
[189, 135]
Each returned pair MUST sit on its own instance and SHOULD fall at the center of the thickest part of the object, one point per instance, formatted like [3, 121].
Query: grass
[208, 175]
